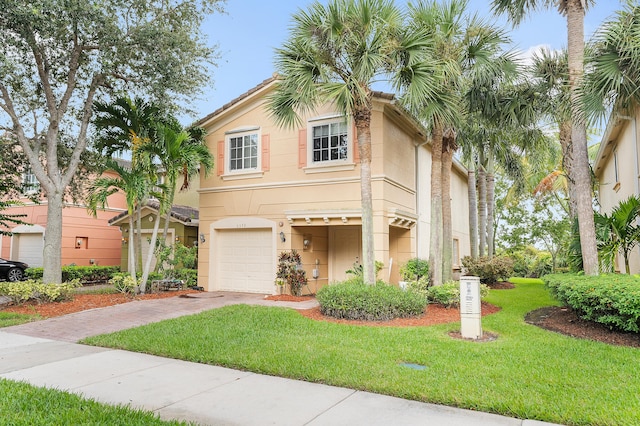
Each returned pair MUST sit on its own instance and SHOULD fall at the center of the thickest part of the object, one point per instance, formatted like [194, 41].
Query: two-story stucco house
[617, 169]
[278, 189]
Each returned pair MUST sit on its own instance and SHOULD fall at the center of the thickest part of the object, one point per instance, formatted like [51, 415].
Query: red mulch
[503, 285]
[82, 302]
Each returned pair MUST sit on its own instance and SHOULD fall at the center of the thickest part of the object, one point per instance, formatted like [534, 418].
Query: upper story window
[330, 142]
[30, 184]
[243, 152]
[329, 145]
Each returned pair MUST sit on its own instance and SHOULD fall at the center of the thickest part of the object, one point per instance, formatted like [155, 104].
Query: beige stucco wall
[286, 191]
[621, 144]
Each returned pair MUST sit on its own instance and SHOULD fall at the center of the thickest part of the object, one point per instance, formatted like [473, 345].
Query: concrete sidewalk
[43, 353]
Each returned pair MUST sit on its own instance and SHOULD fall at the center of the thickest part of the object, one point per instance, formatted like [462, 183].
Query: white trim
[239, 175]
[329, 165]
[242, 130]
[248, 172]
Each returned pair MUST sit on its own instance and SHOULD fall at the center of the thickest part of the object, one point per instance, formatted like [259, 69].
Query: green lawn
[7, 319]
[527, 372]
[23, 404]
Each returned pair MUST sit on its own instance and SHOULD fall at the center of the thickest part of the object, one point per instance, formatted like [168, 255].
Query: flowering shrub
[610, 299]
[290, 270]
[124, 283]
[23, 291]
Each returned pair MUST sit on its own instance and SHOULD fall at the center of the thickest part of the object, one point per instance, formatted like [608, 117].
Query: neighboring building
[183, 228]
[280, 189]
[617, 170]
[86, 240]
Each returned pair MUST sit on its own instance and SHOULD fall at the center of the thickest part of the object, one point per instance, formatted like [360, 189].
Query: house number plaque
[470, 315]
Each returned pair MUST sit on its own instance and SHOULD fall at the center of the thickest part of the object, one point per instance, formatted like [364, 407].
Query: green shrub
[414, 269]
[357, 270]
[376, 302]
[610, 299]
[529, 262]
[124, 283]
[23, 291]
[489, 270]
[448, 294]
[86, 274]
[189, 276]
[420, 286]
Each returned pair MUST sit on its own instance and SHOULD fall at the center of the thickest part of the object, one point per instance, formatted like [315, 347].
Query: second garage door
[245, 260]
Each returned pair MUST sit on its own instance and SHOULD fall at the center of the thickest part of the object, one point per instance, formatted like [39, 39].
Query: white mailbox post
[470, 322]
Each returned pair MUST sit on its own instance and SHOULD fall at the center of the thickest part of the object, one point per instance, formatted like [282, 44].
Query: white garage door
[244, 260]
[29, 248]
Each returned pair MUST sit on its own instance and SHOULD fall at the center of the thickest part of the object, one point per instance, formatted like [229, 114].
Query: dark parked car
[12, 270]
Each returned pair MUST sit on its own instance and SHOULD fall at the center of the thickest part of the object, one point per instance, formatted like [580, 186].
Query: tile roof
[185, 214]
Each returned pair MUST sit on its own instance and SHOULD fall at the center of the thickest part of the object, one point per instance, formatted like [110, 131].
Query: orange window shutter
[266, 159]
[302, 148]
[220, 158]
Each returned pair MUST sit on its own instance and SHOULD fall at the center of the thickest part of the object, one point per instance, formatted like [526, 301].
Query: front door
[345, 249]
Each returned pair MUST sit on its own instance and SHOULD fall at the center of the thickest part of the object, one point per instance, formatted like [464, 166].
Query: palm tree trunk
[363, 128]
[435, 242]
[473, 208]
[580, 167]
[138, 234]
[482, 210]
[150, 255]
[448, 148]
[567, 164]
[131, 251]
[491, 185]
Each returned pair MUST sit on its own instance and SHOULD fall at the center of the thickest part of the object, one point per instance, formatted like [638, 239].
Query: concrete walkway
[44, 353]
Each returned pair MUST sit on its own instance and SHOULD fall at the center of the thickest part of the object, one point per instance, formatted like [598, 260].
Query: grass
[23, 404]
[7, 319]
[527, 372]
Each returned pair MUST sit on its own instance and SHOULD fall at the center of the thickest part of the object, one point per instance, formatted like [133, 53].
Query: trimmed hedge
[354, 300]
[86, 274]
[610, 299]
[23, 291]
[490, 269]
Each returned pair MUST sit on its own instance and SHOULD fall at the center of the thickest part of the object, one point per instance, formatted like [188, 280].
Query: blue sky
[250, 30]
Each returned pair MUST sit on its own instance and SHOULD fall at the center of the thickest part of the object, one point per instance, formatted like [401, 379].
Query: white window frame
[252, 172]
[30, 183]
[329, 165]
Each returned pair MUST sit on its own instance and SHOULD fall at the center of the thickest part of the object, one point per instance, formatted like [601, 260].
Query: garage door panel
[244, 260]
[30, 248]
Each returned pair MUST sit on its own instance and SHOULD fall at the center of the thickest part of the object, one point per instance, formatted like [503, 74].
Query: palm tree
[613, 81]
[335, 52]
[472, 51]
[620, 230]
[574, 11]
[127, 125]
[133, 183]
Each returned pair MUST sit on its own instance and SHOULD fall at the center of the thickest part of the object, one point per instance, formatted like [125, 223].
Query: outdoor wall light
[282, 237]
[202, 240]
[305, 244]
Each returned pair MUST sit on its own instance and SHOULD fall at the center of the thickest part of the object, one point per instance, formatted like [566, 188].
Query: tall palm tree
[469, 49]
[334, 54]
[127, 125]
[574, 11]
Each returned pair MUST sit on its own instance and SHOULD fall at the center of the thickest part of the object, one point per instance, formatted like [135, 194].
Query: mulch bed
[83, 302]
[566, 321]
